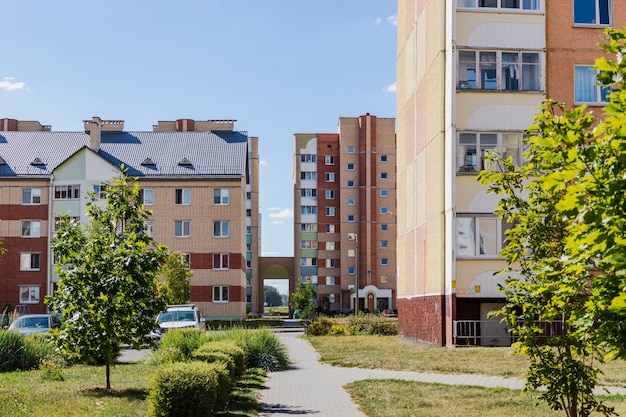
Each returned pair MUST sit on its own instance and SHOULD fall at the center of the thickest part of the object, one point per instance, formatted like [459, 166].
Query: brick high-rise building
[344, 204]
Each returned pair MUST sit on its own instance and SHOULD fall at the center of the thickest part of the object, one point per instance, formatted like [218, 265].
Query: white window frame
[483, 142]
[147, 196]
[383, 192]
[329, 177]
[351, 201]
[522, 5]
[350, 149]
[99, 190]
[330, 245]
[308, 209]
[182, 228]
[351, 218]
[330, 280]
[383, 175]
[185, 260]
[330, 263]
[350, 166]
[384, 244]
[384, 227]
[489, 60]
[33, 294]
[221, 228]
[221, 261]
[57, 221]
[350, 184]
[31, 196]
[221, 197]
[598, 10]
[383, 210]
[330, 228]
[351, 270]
[67, 192]
[330, 211]
[148, 226]
[308, 158]
[383, 158]
[597, 93]
[221, 294]
[33, 232]
[308, 175]
[384, 261]
[472, 236]
[182, 196]
[30, 261]
[329, 194]
[329, 160]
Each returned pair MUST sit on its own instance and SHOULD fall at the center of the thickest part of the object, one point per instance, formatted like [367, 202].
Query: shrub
[234, 351]
[206, 354]
[19, 352]
[320, 327]
[186, 389]
[168, 355]
[186, 340]
[372, 324]
[263, 348]
[337, 329]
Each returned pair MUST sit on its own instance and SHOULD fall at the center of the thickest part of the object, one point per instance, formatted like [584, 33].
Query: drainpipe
[50, 230]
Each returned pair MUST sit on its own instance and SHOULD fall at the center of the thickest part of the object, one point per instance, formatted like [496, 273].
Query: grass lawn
[388, 352]
[82, 393]
[393, 398]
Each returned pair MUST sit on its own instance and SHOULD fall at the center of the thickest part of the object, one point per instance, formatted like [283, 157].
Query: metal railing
[495, 333]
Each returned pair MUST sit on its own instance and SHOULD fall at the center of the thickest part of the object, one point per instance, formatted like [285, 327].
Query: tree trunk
[108, 371]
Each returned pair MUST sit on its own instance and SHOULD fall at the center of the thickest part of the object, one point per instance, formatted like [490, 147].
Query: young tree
[304, 300]
[567, 211]
[174, 285]
[272, 296]
[108, 272]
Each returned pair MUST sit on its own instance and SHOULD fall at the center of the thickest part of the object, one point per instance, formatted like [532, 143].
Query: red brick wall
[422, 318]
[205, 293]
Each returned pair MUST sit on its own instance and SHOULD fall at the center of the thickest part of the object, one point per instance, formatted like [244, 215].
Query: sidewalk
[311, 388]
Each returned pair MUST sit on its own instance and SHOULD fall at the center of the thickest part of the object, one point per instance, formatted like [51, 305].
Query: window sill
[498, 10]
[220, 302]
[591, 26]
[590, 104]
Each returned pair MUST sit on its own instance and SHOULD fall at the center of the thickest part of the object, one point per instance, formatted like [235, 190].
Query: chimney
[94, 128]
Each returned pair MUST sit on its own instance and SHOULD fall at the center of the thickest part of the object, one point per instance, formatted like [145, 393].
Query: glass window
[220, 228]
[592, 12]
[351, 270]
[330, 245]
[350, 166]
[330, 211]
[351, 201]
[586, 88]
[383, 210]
[182, 196]
[330, 194]
[31, 196]
[66, 192]
[330, 228]
[220, 197]
[330, 177]
[479, 236]
[29, 294]
[148, 227]
[29, 261]
[384, 261]
[384, 227]
[350, 149]
[147, 196]
[383, 192]
[329, 160]
[185, 259]
[473, 148]
[182, 228]
[384, 244]
[506, 70]
[31, 228]
[350, 218]
[350, 184]
[99, 191]
[383, 158]
[330, 280]
[383, 175]
[220, 294]
[221, 261]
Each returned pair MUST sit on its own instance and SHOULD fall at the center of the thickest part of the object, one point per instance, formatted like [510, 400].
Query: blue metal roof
[219, 154]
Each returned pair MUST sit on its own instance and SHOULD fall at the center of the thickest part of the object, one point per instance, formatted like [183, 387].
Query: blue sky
[278, 67]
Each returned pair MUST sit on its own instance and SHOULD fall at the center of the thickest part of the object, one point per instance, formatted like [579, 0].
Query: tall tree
[108, 273]
[174, 276]
[566, 243]
[272, 296]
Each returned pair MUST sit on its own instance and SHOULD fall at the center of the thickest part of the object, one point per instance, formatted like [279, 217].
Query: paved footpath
[311, 388]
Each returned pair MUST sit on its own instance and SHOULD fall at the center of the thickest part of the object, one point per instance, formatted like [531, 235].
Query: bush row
[359, 324]
[23, 352]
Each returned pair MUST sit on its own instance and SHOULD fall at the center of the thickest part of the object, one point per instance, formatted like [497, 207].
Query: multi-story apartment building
[200, 179]
[344, 213]
[470, 75]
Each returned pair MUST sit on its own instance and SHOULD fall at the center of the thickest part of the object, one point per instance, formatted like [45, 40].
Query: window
[220, 228]
[331, 298]
[248, 230]
[148, 227]
[308, 227]
[350, 166]
[99, 190]
[592, 12]
[220, 197]
[384, 244]
[248, 195]
[185, 259]
[384, 227]
[330, 263]
[330, 280]
[308, 192]
[351, 201]
[182, 228]
[220, 261]
[309, 279]
[31, 196]
[383, 192]
[308, 158]
[473, 148]
[329, 160]
[350, 149]
[330, 194]
[351, 270]
[330, 177]
[503, 4]
[248, 212]
[384, 261]
[383, 175]
[308, 209]
[31, 228]
[479, 236]
[29, 294]
[146, 195]
[220, 294]
[66, 192]
[29, 261]
[308, 261]
[248, 247]
[383, 210]
[308, 244]
[499, 70]
[57, 221]
[330, 228]
[182, 196]
[350, 184]
[330, 211]
[306, 175]
[383, 158]
[351, 253]
[350, 218]
[330, 245]
[586, 87]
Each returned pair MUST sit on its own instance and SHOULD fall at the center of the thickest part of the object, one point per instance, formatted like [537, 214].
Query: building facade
[199, 179]
[344, 214]
[470, 76]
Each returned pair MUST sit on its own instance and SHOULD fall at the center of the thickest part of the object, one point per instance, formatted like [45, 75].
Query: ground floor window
[220, 294]
[29, 293]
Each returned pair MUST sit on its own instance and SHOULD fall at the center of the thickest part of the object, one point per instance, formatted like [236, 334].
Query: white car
[178, 317]
[33, 323]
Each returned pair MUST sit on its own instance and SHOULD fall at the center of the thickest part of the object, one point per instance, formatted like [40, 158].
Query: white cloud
[378, 21]
[7, 84]
[277, 222]
[276, 213]
[391, 88]
[393, 19]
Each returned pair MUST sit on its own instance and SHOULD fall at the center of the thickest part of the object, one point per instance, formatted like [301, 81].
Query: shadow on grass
[129, 393]
[243, 400]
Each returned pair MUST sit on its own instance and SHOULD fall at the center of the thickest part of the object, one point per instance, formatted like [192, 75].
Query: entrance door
[492, 331]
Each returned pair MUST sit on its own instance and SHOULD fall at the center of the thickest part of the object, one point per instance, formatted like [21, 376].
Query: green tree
[272, 296]
[174, 280]
[566, 244]
[108, 273]
[304, 300]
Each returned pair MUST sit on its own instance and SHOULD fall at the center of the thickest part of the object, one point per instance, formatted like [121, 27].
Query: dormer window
[148, 162]
[185, 162]
[37, 161]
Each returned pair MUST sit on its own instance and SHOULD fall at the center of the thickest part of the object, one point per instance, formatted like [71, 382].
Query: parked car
[179, 316]
[33, 323]
[390, 313]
